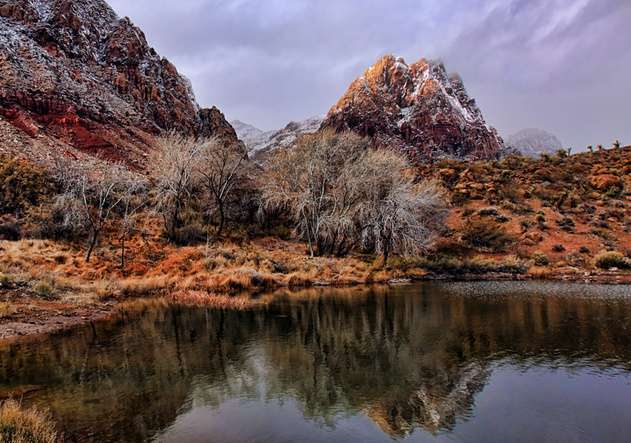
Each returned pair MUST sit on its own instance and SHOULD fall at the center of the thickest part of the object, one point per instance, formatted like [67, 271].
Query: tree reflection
[412, 357]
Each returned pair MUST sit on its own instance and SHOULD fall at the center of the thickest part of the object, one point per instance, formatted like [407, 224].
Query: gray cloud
[561, 65]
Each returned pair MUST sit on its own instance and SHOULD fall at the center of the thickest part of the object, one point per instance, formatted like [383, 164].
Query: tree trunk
[222, 219]
[95, 237]
[123, 253]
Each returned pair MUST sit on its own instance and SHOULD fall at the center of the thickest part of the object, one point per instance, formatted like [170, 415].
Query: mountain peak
[419, 109]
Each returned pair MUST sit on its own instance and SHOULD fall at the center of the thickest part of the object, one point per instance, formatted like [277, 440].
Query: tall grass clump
[18, 425]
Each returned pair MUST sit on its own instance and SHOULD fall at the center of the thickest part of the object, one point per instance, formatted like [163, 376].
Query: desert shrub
[54, 221]
[558, 248]
[525, 225]
[18, 425]
[488, 212]
[566, 223]
[540, 217]
[279, 268]
[486, 234]
[43, 289]
[10, 230]
[540, 259]
[22, 184]
[612, 259]
[189, 234]
[584, 250]
[575, 259]
[6, 280]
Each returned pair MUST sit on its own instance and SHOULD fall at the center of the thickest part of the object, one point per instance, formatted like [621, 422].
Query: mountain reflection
[407, 358]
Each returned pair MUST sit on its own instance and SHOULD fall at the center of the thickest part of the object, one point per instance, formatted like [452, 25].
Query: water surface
[450, 362]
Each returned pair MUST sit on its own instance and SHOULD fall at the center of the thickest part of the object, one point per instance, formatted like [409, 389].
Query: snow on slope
[260, 143]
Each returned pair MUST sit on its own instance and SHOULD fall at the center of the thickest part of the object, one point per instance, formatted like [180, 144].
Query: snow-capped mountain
[418, 109]
[532, 142]
[260, 143]
[247, 133]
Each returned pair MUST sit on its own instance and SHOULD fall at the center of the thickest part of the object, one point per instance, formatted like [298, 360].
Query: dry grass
[18, 425]
[216, 301]
[57, 271]
[7, 310]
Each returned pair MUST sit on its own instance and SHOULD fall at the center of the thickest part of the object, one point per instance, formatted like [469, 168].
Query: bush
[190, 235]
[22, 184]
[10, 230]
[567, 224]
[19, 425]
[487, 235]
[488, 212]
[43, 289]
[558, 248]
[540, 259]
[612, 259]
[6, 281]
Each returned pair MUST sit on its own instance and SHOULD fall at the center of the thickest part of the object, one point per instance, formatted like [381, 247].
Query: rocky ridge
[74, 72]
[418, 109]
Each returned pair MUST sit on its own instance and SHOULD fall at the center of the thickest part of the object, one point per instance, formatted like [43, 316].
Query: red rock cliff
[74, 71]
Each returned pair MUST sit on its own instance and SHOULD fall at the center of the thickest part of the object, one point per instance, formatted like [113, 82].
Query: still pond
[434, 362]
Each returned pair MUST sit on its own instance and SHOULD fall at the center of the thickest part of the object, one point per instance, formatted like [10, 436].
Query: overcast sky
[559, 65]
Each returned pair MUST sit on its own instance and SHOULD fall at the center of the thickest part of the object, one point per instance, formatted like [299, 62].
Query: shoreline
[49, 318]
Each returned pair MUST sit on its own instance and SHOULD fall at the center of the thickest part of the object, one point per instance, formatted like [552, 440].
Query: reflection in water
[409, 361]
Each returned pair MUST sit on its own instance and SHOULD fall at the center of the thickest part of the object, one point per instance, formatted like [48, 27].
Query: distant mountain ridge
[417, 109]
[260, 143]
[533, 142]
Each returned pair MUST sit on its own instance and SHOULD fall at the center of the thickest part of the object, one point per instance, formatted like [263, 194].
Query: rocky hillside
[261, 143]
[77, 75]
[533, 142]
[561, 212]
[418, 109]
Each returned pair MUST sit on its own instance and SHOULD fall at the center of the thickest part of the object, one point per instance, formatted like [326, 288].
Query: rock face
[74, 71]
[417, 109]
[260, 143]
[532, 142]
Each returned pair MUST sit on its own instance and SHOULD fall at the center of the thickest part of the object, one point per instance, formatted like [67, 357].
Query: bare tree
[392, 213]
[304, 181]
[222, 168]
[342, 194]
[134, 200]
[92, 190]
[173, 169]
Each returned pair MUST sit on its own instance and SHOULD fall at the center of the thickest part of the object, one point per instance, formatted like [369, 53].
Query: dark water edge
[510, 361]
